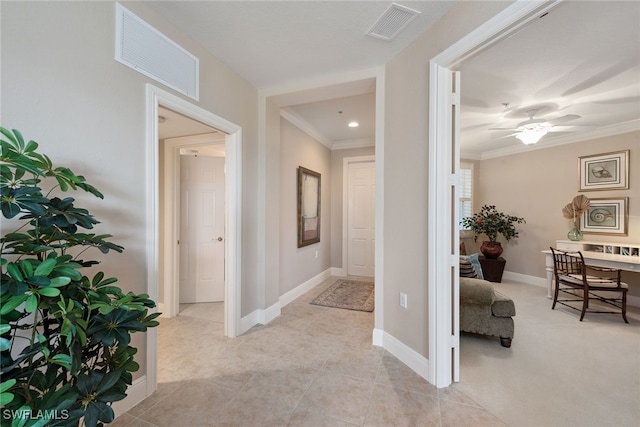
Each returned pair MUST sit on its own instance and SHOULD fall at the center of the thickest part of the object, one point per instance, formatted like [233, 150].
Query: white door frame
[156, 97]
[171, 224]
[443, 248]
[345, 204]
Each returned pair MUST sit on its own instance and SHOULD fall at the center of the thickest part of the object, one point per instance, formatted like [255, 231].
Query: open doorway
[444, 161]
[192, 184]
[161, 235]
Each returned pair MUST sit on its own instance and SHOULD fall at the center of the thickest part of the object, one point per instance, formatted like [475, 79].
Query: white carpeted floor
[559, 371]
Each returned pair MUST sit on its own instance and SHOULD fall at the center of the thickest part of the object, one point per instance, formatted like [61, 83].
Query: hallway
[312, 366]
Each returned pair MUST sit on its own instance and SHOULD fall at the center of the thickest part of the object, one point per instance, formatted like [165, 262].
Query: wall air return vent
[392, 21]
[148, 51]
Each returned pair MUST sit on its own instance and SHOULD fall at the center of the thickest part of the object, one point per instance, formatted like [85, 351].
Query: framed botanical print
[608, 171]
[606, 216]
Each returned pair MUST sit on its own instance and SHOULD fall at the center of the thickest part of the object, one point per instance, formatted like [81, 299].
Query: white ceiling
[270, 43]
[583, 58]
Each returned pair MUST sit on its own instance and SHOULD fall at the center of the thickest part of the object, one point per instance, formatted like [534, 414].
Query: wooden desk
[492, 269]
[630, 262]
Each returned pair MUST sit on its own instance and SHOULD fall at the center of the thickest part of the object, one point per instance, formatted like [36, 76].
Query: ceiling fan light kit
[531, 137]
[531, 131]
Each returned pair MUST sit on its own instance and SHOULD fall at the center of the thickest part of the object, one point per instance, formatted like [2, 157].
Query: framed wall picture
[308, 207]
[606, 216]
[608, 171]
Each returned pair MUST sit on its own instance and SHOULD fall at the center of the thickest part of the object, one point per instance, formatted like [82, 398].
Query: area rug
[348, 294]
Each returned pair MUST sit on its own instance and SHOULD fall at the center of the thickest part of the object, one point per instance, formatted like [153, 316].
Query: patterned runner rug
[348, 294]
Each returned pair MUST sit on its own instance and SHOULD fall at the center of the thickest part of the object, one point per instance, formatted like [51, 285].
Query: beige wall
[537, 184]
[62, 87]
[297, 265]
[337, 173]
[406, 176]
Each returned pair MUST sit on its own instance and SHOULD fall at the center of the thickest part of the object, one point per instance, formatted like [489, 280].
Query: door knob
[219, 239]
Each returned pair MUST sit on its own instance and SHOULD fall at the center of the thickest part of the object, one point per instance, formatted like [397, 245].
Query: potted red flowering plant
[490, 222]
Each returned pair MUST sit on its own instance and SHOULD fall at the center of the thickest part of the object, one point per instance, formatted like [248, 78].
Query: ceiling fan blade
[480, 126]
[571, 128]
[564, 119]
[497, 138]
[502, 129]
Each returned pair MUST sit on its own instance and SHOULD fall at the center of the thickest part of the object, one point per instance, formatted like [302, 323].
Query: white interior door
[202, 229]
[361, 219]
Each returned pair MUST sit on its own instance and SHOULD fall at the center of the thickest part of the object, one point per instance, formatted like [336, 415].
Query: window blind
[465, 191]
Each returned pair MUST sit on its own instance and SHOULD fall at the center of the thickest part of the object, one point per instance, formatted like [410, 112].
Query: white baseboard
[162, 310]
[378, 337]
[632, 300]
[417, 362]
[136, 393]
[525, 278]
[264, 316]
[301, 289]
[247, 322]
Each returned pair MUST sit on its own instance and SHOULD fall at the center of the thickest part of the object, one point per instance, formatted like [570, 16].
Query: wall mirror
[308, 207]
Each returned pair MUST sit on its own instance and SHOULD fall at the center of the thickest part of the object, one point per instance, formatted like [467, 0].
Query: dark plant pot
[491, 250]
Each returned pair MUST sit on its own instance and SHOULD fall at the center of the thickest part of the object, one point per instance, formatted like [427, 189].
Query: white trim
[259, 317]
[136, 393]
[305, 287]
[378, 337]
[345, 204]
[353, 143]
[503, 24]
[440, 295]
[551, 142]
[525, 278]
[299, 122]
[414, 360]
[265, 316]
[233, 249]
[379, 155]
[249, 321]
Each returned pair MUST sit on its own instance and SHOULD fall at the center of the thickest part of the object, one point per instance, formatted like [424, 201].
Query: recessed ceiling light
[354, 124]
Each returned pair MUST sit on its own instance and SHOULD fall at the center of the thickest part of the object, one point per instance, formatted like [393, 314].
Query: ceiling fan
[530, 131]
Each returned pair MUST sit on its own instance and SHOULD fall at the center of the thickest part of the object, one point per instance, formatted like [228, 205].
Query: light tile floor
[311, 366]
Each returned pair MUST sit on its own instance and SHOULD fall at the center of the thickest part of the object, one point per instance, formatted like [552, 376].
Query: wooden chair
[574, 284]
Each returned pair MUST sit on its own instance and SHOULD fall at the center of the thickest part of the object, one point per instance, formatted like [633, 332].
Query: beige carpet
[348, 294]
[559, 371]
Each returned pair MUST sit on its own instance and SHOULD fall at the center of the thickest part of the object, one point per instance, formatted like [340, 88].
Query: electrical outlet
[403, 300]
[316, 254]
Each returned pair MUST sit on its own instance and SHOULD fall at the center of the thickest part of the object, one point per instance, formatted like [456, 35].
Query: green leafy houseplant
[64, 337]
[491, 223]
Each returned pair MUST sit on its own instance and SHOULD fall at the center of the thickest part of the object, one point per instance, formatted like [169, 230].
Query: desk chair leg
[624, 307]
[555, 297]
[585, 303]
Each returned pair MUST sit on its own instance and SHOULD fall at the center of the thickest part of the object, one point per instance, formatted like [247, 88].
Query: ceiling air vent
[392, 21]
[148, 51]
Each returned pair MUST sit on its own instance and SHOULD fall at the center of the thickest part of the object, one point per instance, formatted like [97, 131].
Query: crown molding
[354, 143]
[601, 132]
[305, 126]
